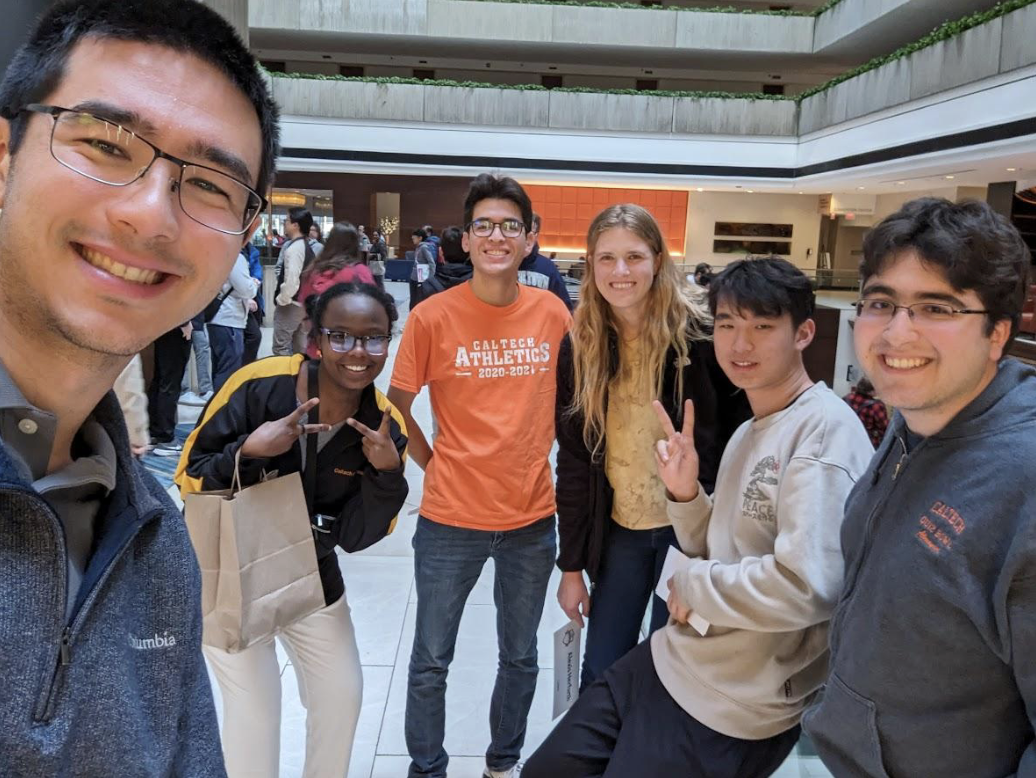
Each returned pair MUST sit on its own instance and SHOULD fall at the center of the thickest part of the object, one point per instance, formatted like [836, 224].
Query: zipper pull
[66, 648]
[899, 464]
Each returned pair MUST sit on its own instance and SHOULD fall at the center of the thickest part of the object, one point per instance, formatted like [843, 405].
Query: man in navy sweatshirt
[932, 642]
[539, 271]
[136, 137]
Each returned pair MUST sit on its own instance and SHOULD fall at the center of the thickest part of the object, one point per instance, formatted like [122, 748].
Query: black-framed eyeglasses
[483, 228]
[110, 154]
[883, 311]
[344, 342]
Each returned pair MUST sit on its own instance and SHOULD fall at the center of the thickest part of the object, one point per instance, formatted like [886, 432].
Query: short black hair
[428, 230]
[974, 246]
[183, 25]
[766, 286]
[302, 217]
[490, 187]
[419, 233]
[318, 308]
[537, 222]
[452, 246]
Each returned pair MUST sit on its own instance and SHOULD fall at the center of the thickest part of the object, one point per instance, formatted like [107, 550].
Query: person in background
[640, 334]
[129, 388]
[172, 350]
[720, 689]
[426, 257]
[261, 416]
[289, 336]
[253, 326]
[702, 274]
[538, 271]
[227, 328]
[315, 234]
[203, 369]
[365, 242]
[338, 263]
[376, 257]
[932, 642]
[871, 410]
[454, 263]
[487, 350]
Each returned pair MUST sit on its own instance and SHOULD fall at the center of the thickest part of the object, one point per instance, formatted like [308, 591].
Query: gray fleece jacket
[120, 689]
[933, 642]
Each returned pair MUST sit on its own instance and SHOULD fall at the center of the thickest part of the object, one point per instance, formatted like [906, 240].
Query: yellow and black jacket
[365, 500]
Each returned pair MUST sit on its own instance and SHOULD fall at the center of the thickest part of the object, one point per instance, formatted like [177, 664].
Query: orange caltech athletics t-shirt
[490, 372]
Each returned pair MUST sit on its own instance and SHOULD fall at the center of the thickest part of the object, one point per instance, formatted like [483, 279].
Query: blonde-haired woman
[640, 333]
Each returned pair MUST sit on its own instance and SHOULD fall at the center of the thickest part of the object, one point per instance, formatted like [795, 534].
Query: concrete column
[19, 18]
[1000, 196]
[235, 12]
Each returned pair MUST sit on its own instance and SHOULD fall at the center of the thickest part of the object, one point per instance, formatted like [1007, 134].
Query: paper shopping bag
[257, 558]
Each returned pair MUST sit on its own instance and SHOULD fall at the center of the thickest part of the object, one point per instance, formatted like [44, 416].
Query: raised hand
[676, 456]
[275, 437]
[378, 446]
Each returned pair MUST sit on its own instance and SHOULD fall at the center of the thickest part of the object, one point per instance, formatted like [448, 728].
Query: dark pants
[228, 349]
[447, 563]
[415, 294]
[626, 724]
[253, 337]
[630, 565]
[172, 351]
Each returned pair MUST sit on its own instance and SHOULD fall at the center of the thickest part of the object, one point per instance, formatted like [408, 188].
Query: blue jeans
[630, 565]
[202, 362]
[447, 563]
[228, 351]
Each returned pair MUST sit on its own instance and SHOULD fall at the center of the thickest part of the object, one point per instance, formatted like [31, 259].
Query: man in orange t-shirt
[487, 350]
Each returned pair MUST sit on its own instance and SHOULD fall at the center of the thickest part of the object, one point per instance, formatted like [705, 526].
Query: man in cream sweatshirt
[720, 690]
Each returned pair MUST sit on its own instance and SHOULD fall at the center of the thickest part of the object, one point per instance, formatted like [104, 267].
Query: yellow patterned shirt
[631, 432]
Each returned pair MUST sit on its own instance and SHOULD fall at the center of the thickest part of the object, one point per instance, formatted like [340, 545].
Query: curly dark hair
[490, 187]
[974, 246]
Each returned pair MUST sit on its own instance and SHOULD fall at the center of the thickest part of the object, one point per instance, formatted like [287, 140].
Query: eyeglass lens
[108, 153]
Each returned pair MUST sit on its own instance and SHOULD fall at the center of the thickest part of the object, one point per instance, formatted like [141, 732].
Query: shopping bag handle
[235, 482]
[309, 481]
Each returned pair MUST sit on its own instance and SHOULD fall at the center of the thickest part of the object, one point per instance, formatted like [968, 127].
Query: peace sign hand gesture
[273, 438]
[676, 456]
[378, 446]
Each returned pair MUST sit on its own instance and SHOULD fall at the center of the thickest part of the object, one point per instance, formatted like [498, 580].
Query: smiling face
[928, 372]
[358, 315]
[760, 354]
[495, 256]
[624, 269]
[109, 269]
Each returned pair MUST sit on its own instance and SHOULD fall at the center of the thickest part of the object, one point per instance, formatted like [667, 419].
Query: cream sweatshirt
[766, 569]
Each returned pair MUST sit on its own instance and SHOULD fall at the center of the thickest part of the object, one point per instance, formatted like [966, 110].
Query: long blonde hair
[676, 315]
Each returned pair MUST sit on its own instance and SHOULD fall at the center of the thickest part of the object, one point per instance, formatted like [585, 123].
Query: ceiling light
[750, 191]
[861, 187]
[700, 189]
[1012, 169]
[901, 183]
[949, 178]
[288, 198]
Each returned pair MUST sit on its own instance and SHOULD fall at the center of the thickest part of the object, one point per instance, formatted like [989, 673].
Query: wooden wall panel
[568, 210]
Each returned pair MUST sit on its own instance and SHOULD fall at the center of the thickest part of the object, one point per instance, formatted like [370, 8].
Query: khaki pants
[289, 335]
[323, 653]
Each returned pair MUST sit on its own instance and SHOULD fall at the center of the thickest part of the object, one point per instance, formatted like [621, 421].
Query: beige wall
[704, 209]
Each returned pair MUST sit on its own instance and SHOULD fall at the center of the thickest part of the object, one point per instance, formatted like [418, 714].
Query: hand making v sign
[676, 456]
[378, 446]
[273, 438]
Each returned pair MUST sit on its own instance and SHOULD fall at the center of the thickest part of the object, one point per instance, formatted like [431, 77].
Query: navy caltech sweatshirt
[121, 689]
[933, 642]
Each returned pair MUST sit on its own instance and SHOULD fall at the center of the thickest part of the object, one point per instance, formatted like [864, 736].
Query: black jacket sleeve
[573, 470]
[369, 516]
[214, 444]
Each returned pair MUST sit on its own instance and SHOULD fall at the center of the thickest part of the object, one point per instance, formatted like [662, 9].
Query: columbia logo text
[165, 640]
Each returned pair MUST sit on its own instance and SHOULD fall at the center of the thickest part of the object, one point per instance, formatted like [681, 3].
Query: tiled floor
[379, 587]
